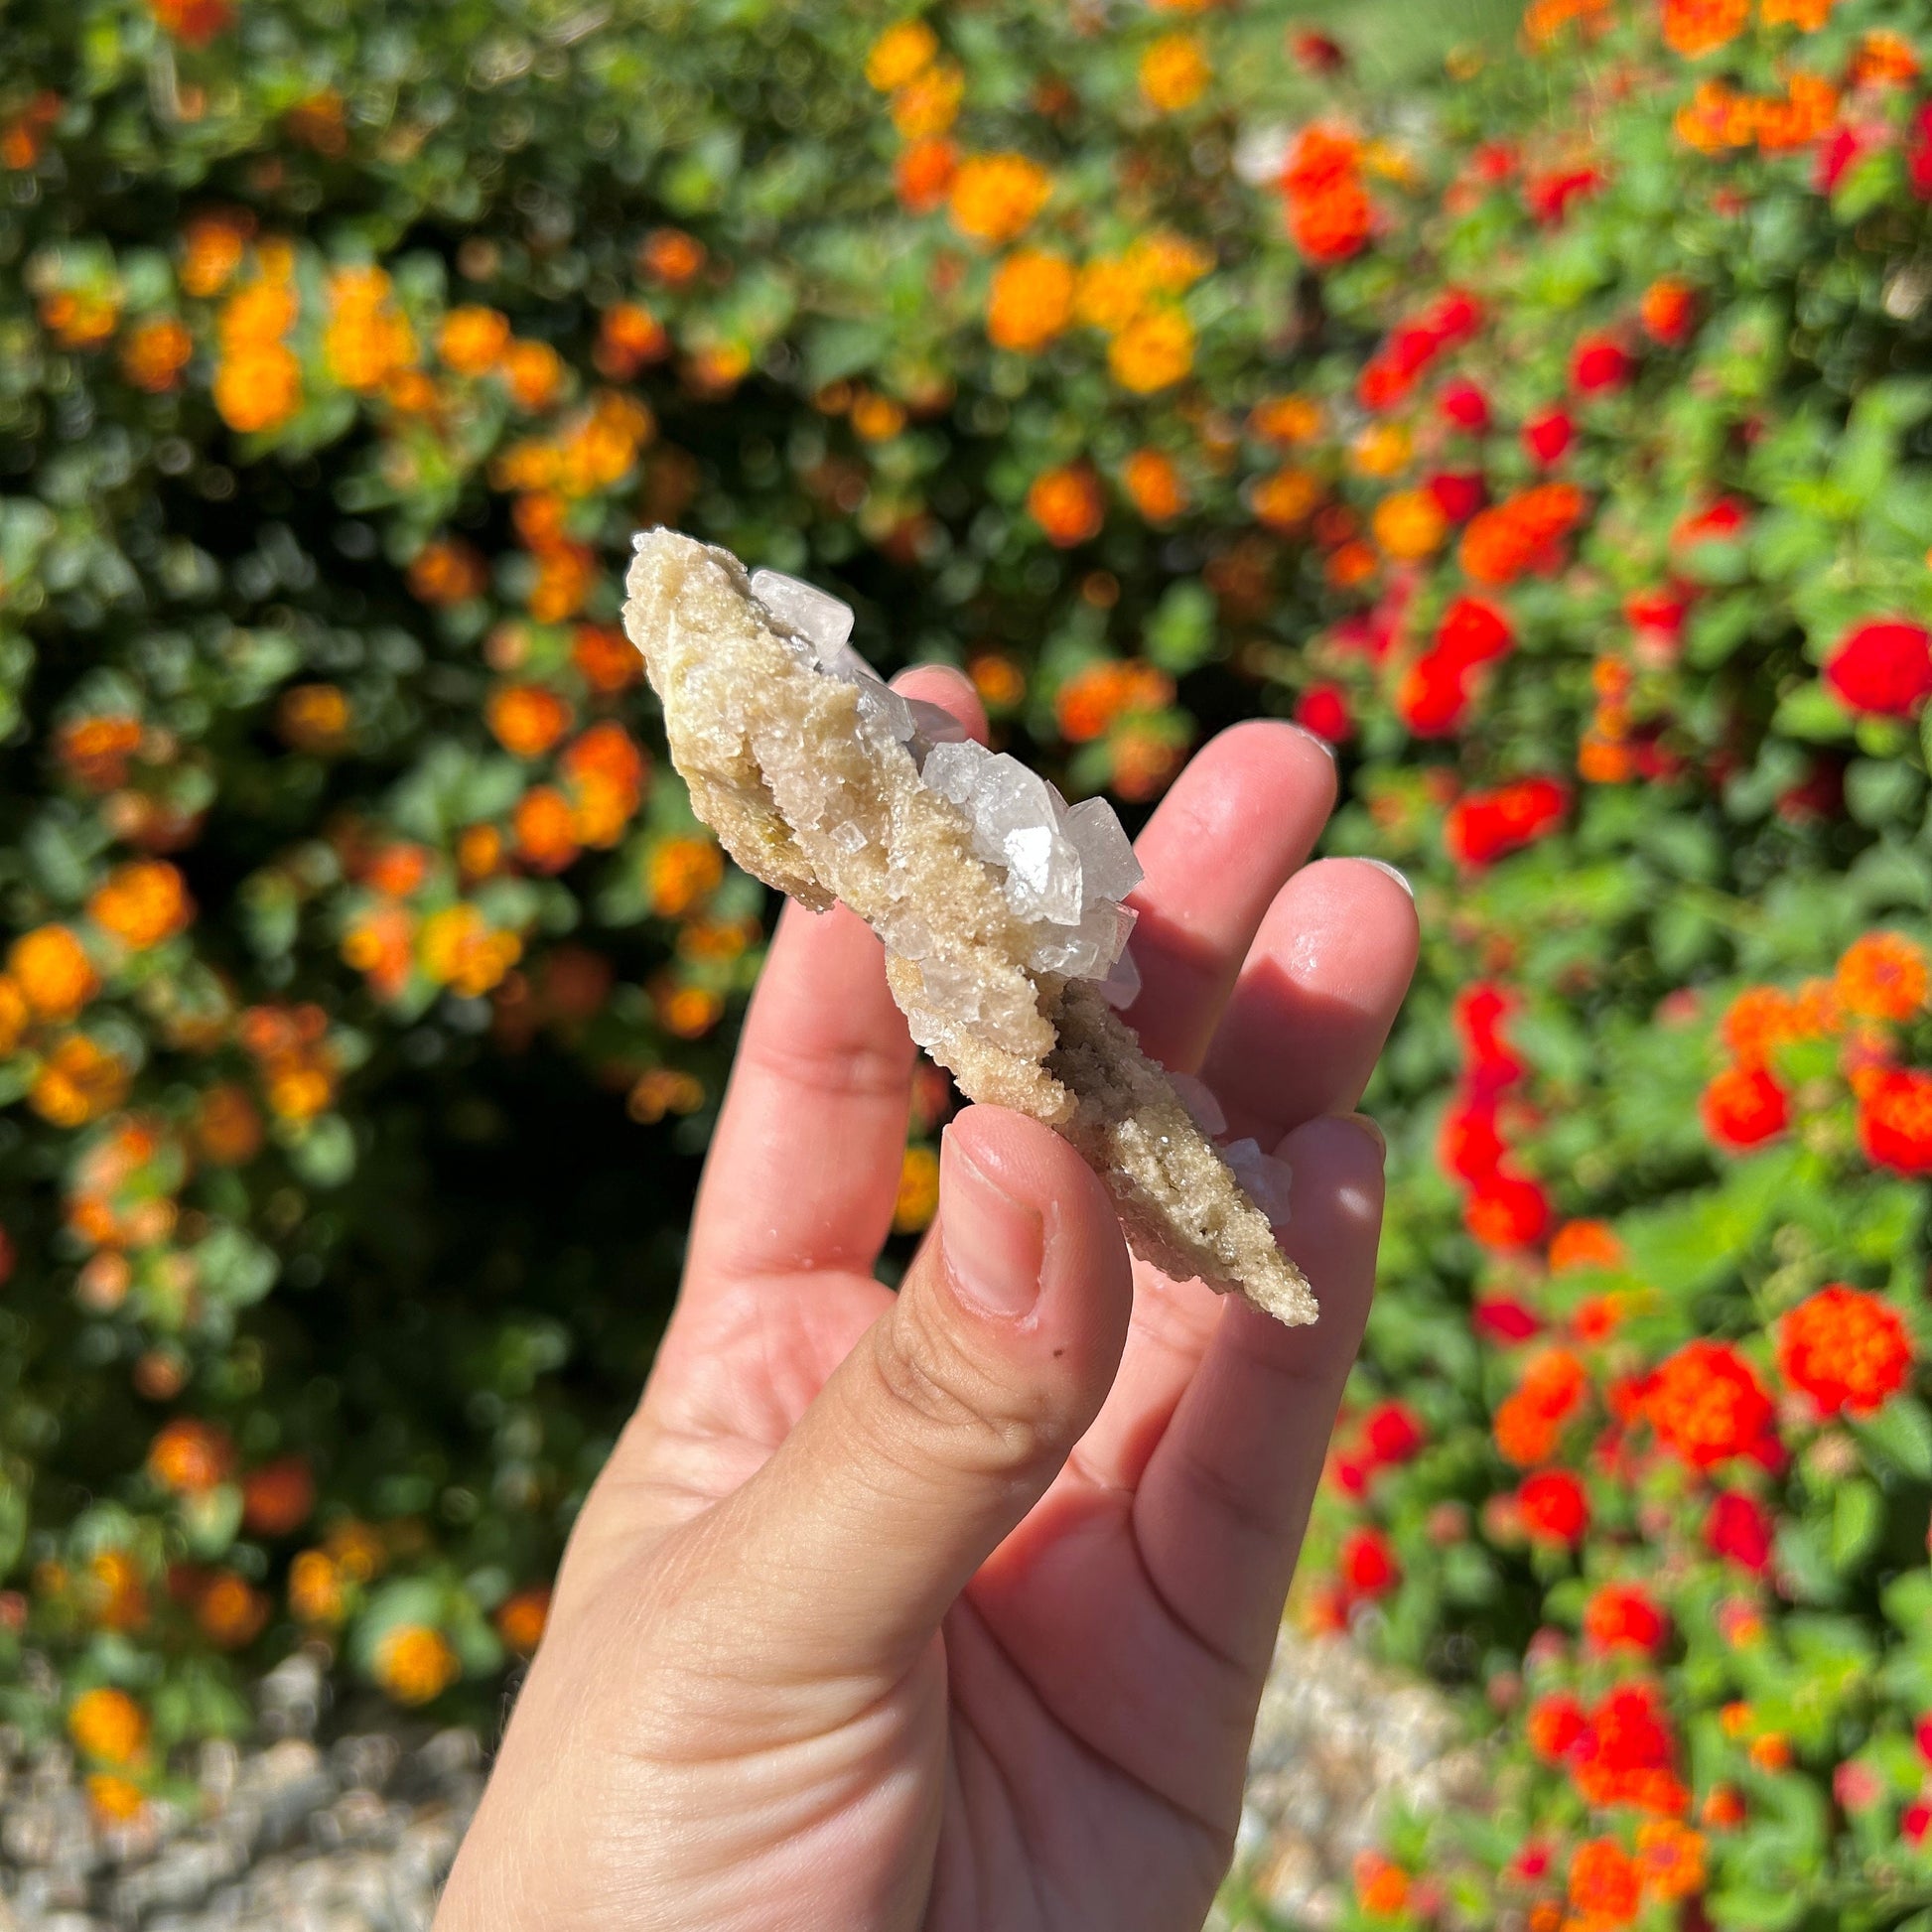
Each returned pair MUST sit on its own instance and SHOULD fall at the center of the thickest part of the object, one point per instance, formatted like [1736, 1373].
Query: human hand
[951, 1609]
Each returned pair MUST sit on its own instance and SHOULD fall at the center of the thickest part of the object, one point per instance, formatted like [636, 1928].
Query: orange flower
[923, 176]
[115, 1801]
[899, 54]
[1585, 1244]
[227, 1129]
[366, 338]
[1409, 525]
[681, 872]
[1605, 1884]
[606, 771]
[1847, 1350]
[686, 1012]
[1510, 537]
[1286, 499]
[193, 22]
[230, 1614]
[211, 250]
[14, 1014]
[142, 904]
[520, 1620]
[527, 719]
[191, 1457]
[258, 388]
[534, 372]
[51, 969]
[995, 196]
[315, 1593]
[278, 1498]
[78, 1081]
[1530, 1423]
[1175, 73]
[313, 718]
[155, 354]
[1031, 300]
[672, 257]
[1759, 1022]
[446, 571]
[628, 337]
[471, 340]
[416, 1664]
[109, 1725]
[460, 949]
[1094, 699]
[1808, 16]
[1670, 1857]
[1066, 505]
[1286, 419]
[1381, 1885]
[876, 418]
[663, 1090]
[96, 751]
[1883, 59]
[544, 829]
[928, 103]
[918, 1190]
[1155, 486]
[1707, 1405]
[1882, 976]
[606, 659]
[1697, 27]
[1153, 352]
[1328, 211]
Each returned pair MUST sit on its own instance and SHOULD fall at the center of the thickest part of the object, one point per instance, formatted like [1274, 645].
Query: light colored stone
[799, 757]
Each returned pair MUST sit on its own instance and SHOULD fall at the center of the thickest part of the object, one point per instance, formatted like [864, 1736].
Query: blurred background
[1534, 404]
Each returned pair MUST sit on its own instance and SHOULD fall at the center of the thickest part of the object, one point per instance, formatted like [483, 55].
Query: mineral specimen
[1001, 906]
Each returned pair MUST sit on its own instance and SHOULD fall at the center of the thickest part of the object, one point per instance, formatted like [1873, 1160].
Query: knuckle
[952, 1407]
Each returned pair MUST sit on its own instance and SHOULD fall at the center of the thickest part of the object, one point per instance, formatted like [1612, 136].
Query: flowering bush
[1553, 441]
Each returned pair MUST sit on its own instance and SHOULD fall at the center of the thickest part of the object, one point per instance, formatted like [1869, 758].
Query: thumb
[948, 1420]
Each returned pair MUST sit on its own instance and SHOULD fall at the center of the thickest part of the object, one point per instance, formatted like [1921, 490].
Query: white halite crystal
[817, 616]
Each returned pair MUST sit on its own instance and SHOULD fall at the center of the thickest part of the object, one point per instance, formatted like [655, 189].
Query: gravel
[292, 1834]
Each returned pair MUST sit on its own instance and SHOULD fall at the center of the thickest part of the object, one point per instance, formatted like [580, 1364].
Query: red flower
[1368, 1565]
[1743, 1106]
[1434, 695]
[1470, 1148]
[1553, 1507]
[1707, 1405]
[1317, 53]
[1718, 523]
[1600, 364]
[1504, 1320]
[1626, 1755]
[1392, 1432]
[1555, 1723]
[1549, 435]
[1845, 1350]
[1882, 669]
[1915, 1821]
[1918, 153]
[1668, 312]
[1458, 494]
[1740, 1529]
[1895, 1121]
[1323, 710]
[1484, 826]
[1508, 1211]
[1472, 633]
[1464, 407]
[1547, 197]
[1621, 1616]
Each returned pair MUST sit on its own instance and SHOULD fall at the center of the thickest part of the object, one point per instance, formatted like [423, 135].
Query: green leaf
[1900, 1432]
[1857, 1515]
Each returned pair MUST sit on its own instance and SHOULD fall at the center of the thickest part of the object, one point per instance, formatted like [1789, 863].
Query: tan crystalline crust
[764, 738]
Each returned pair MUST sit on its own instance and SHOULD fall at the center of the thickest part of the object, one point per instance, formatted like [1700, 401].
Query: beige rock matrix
[1000, 905]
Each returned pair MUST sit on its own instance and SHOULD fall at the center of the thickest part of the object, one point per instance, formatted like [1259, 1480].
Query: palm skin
[912, 1611]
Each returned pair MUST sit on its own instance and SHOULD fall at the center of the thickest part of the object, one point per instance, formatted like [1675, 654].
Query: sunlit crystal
[1265, 1179]
[823, 620]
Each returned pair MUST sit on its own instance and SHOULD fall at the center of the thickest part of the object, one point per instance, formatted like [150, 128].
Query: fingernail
[1400, 877]
[994, 1247]
[1313, 737]
[1372, 1129]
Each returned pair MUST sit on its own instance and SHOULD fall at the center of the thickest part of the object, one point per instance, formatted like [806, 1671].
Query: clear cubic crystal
[1121, 985]
[1110, 869]
[814, 613]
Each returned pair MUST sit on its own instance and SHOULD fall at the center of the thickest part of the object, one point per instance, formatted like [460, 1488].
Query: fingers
[1312, 1006]
[948, 1420]
[1316, 997]
[804, 1163]
[1223, 1503]
[1238, 820]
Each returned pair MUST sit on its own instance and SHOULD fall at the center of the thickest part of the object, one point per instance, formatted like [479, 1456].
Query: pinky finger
[1223, 1503]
